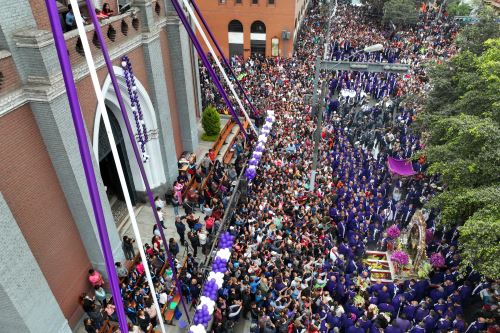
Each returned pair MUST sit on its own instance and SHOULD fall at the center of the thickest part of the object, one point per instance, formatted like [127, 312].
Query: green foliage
[480, 242]
[210, 138]
[461, 129]
[468, 84]
[460, 204]
[473, 36]
[400, 12]
[457, 8]
[464, 150]
[210, 121]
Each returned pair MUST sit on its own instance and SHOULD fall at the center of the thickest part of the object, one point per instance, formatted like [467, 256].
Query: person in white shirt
[160, 217]
[202, 236]
[159, 203]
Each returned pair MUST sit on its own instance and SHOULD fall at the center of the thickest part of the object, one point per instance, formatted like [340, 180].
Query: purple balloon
[260, 149]
[253, 161]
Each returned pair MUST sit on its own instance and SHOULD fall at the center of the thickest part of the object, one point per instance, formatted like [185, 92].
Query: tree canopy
[400, 12]
[462, 124]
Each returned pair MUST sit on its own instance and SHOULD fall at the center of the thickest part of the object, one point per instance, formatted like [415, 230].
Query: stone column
[158, 88]
[45, 89]
[27, 303]
[180, 58]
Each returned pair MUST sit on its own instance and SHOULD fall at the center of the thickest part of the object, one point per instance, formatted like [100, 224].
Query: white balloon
[224, 254]
[198, 329]
[124, 64]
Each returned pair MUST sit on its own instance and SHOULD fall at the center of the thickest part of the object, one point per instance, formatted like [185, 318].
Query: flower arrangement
[400, 257]
[424, 270]
[215, 280]
[359, 300]
[393, 231]
[437, 260]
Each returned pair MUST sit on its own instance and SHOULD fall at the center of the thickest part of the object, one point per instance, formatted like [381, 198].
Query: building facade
[246, 27]
[47, 229]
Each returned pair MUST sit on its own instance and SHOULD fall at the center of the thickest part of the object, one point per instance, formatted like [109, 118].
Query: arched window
[235, 26]
[258, 38]
[235, 38]
[258, 27]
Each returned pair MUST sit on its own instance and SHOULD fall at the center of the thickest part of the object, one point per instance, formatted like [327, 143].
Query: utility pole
[343, 65]
[317, 133]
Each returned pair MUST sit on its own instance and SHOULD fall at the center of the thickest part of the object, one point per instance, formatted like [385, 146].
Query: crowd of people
[297, 265]
[298, 261]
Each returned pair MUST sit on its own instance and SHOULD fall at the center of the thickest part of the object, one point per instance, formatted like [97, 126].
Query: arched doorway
[258, 38]
[107, 164]
[235, 38]
[154, 166]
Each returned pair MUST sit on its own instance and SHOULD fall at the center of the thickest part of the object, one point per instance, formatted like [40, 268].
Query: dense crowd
[297, 265]
[298, 261]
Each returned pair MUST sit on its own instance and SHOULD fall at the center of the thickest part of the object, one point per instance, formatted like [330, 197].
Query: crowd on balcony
[298, 262]
[70, 20]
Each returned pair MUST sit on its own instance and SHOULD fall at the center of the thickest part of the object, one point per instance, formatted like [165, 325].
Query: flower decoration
[400, 257]
[437, 260]
[393, 231]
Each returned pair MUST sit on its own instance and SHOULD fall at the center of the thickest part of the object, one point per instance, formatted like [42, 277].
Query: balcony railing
[116, 29]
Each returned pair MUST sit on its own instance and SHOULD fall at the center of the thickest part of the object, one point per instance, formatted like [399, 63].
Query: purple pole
[205, 61]
[83, 145]
[226, 62]
[137, 155]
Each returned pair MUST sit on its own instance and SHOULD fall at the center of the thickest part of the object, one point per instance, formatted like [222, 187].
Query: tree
[400, 12]
[461, 129]
[211, 121]
[480, 242]
[464, 150]
[473, 36]
[457, 8]
[468, 84]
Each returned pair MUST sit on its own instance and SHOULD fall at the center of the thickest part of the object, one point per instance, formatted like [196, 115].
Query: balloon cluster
[219, 265]
[205, 309]
[202, 316]
[140, 124]
[226, 241]
[251, 171]
[210, 289]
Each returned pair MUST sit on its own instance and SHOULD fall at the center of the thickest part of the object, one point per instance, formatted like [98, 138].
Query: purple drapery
[81, 135]
[137, 154]
[400, 167]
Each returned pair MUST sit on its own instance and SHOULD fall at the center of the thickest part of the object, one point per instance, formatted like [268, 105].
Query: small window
[238, 2]
[222, 2]
[255, 2]
[270, 2]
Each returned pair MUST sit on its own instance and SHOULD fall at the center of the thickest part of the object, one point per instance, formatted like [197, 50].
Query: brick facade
[278, 17]
[31, 189]
[42, 181]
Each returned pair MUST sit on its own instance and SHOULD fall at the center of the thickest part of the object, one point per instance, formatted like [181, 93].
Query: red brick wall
[10, 80]
[31, 189]
[277, 18]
